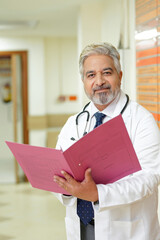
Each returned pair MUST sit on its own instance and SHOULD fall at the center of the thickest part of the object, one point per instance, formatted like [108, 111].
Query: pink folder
[107, 150]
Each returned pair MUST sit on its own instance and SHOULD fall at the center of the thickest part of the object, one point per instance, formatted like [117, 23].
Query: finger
[67, 177]
[61, 182]
[88, 175]
[59, 179]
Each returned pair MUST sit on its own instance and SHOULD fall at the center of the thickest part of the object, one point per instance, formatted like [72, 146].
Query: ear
[120, 76]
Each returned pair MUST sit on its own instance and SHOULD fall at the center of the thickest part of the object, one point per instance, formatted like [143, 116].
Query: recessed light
[12, 25]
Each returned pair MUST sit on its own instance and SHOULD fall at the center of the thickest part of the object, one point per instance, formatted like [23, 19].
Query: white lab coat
[127, 209]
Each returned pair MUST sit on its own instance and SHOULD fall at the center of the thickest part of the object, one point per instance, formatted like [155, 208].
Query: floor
[27, 213]
[7, 170]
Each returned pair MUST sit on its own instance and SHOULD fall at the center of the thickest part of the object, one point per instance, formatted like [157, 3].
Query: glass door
[13, 112]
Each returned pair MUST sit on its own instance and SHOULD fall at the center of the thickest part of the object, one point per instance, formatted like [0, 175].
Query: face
[101, 80]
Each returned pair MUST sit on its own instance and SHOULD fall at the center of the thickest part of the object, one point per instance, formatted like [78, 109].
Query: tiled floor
[30, 214]
[7, 171]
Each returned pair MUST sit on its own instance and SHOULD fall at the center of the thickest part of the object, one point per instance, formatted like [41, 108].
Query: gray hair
[100, 49]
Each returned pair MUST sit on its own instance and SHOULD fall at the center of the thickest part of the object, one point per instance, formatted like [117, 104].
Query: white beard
[104, 98]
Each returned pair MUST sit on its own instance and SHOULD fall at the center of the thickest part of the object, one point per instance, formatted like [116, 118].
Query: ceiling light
[12, 25]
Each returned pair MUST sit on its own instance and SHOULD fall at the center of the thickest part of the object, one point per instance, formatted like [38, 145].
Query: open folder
[107, 150]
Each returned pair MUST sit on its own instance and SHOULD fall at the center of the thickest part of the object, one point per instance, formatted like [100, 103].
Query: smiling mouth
[102, 90]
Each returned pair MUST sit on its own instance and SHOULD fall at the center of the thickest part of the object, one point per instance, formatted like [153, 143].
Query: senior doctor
[125, 209]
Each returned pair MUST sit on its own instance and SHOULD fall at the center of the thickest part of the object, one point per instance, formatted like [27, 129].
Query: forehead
[95, 62]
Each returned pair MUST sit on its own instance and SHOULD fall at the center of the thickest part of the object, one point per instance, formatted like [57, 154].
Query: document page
[40, 164]
[107, 150]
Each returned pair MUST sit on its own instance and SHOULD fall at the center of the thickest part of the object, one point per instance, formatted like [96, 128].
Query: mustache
[106, 86]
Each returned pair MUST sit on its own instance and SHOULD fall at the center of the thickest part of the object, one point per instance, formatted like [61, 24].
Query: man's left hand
[86, 190]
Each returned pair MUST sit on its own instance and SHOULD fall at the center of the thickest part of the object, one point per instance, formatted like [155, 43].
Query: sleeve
[142, 184]
[67, 201]
[61, 144]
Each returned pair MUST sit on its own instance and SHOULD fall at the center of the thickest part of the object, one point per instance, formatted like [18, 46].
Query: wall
[119, 30]
[61, 74]
[113, 22]
[147, 55]
[111, 27]
[52, 64]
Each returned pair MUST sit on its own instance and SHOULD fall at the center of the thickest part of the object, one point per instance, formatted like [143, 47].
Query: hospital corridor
[41, 87]
[27, 213]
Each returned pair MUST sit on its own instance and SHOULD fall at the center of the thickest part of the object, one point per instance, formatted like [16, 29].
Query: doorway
[13, 111]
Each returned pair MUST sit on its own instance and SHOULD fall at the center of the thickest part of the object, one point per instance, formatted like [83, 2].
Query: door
[13, 111]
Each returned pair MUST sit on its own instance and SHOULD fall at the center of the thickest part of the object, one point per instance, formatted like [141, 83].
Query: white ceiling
[52, 17]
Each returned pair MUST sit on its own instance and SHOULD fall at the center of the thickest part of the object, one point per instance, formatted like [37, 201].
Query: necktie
[99, 118]
[84, 208]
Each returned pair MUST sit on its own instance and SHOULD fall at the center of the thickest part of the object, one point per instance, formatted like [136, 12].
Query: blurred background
[40, 85]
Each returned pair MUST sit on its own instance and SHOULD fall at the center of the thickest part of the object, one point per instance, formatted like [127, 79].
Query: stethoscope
[84, 111]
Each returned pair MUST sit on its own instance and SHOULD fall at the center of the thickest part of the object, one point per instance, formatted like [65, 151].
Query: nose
[99, 79]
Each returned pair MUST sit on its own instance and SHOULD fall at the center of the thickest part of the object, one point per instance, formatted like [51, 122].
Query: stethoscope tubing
[84, 111]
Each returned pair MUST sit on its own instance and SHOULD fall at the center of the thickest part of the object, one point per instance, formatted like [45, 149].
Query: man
[125, 209]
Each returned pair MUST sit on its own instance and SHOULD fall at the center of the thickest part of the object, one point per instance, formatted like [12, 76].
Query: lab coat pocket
[72, 229]
[127, 230]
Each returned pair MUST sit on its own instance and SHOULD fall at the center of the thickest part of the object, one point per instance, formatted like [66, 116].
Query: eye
[91, 75]
[107, 73]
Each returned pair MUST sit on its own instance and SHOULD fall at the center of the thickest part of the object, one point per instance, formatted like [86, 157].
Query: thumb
[88, 175]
